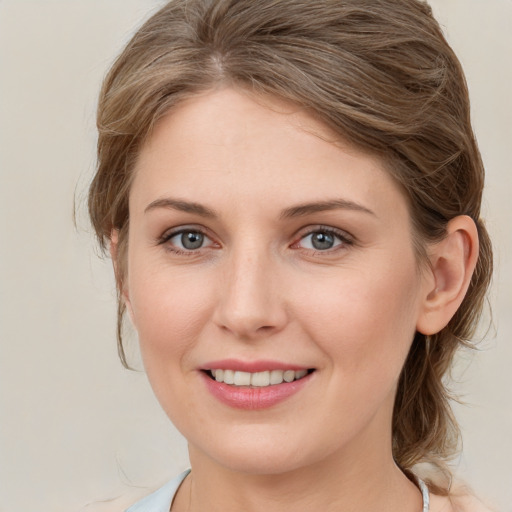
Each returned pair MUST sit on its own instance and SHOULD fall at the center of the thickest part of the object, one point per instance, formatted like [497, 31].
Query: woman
[291, 193]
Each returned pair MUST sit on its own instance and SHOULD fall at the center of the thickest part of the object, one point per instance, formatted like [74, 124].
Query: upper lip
[251, 366]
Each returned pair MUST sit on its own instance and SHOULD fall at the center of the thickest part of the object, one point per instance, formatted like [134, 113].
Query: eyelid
[172, 232]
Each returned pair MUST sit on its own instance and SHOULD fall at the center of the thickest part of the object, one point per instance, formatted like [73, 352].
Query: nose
[251, 301]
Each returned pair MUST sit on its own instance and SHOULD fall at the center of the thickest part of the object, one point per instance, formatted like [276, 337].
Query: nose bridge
[250, 303]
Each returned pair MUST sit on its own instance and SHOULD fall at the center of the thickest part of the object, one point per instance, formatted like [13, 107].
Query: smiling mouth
[257, 379]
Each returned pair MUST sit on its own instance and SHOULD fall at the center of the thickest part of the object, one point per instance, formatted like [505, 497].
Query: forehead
[227, 143]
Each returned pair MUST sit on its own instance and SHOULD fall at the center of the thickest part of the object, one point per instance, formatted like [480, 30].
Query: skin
[258, 289]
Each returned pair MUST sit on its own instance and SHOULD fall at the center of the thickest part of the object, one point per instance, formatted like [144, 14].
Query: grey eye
[191, 240]
[322, 241]
[187, 240]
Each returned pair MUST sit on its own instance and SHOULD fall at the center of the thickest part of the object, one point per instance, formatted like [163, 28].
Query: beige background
[75, 428]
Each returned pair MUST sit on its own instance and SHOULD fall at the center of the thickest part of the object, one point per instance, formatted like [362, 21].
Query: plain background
[76, 428]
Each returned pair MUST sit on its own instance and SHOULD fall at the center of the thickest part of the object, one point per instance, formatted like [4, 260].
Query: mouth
[259, 379]
[256, 384]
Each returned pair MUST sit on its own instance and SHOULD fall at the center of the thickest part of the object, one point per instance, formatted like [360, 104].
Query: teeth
[229, 377]
[300, 374]
[289, 375]
[242, 379]
[258, 379]
[276, 377]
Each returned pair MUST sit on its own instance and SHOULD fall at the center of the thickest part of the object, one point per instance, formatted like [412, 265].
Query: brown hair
[381, 74]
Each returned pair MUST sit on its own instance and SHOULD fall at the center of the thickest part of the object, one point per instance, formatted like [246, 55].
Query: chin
[262, 452]
[261, 462]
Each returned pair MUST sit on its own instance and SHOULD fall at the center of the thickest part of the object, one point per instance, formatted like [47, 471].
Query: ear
[120, 273]
[452, 262]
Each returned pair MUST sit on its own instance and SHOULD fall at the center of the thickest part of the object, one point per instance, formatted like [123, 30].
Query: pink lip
[253, 398]
[250, 366]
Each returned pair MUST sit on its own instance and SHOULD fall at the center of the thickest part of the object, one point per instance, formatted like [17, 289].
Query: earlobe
[122, 287]
[452, 262]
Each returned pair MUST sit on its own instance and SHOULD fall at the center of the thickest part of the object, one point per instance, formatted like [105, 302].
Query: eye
[323, 240]
[186, 240]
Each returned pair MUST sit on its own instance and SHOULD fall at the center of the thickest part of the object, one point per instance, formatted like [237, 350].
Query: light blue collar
[160, 500]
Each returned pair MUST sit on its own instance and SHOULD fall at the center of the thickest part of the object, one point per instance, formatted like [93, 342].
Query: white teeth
[300, 374]
[257, 379]
[289, 375]
[260, 379]
[229, 377]
[276, 377]
[242, 379]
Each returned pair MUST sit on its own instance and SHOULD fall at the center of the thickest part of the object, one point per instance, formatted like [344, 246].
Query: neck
[361, 481]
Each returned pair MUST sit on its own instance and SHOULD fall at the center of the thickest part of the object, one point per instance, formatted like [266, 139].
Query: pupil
[322, 241]
[192, 240]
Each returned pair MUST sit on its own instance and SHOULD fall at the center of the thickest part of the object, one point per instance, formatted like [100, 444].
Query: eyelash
[344, 238]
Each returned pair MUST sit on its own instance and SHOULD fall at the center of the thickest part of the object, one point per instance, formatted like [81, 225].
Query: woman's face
[260, 252]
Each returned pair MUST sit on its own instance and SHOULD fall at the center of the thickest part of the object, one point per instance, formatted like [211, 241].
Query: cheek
[364, 321]
[169, 309]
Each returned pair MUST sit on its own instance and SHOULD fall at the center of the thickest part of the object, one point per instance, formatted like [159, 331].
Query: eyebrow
[182, 206]
[321, 206]
[300, 210]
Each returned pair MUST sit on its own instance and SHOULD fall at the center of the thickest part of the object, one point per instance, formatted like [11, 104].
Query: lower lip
[254, 398]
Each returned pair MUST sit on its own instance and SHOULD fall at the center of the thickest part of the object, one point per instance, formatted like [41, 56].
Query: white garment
[161, 500]
[424, 492]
